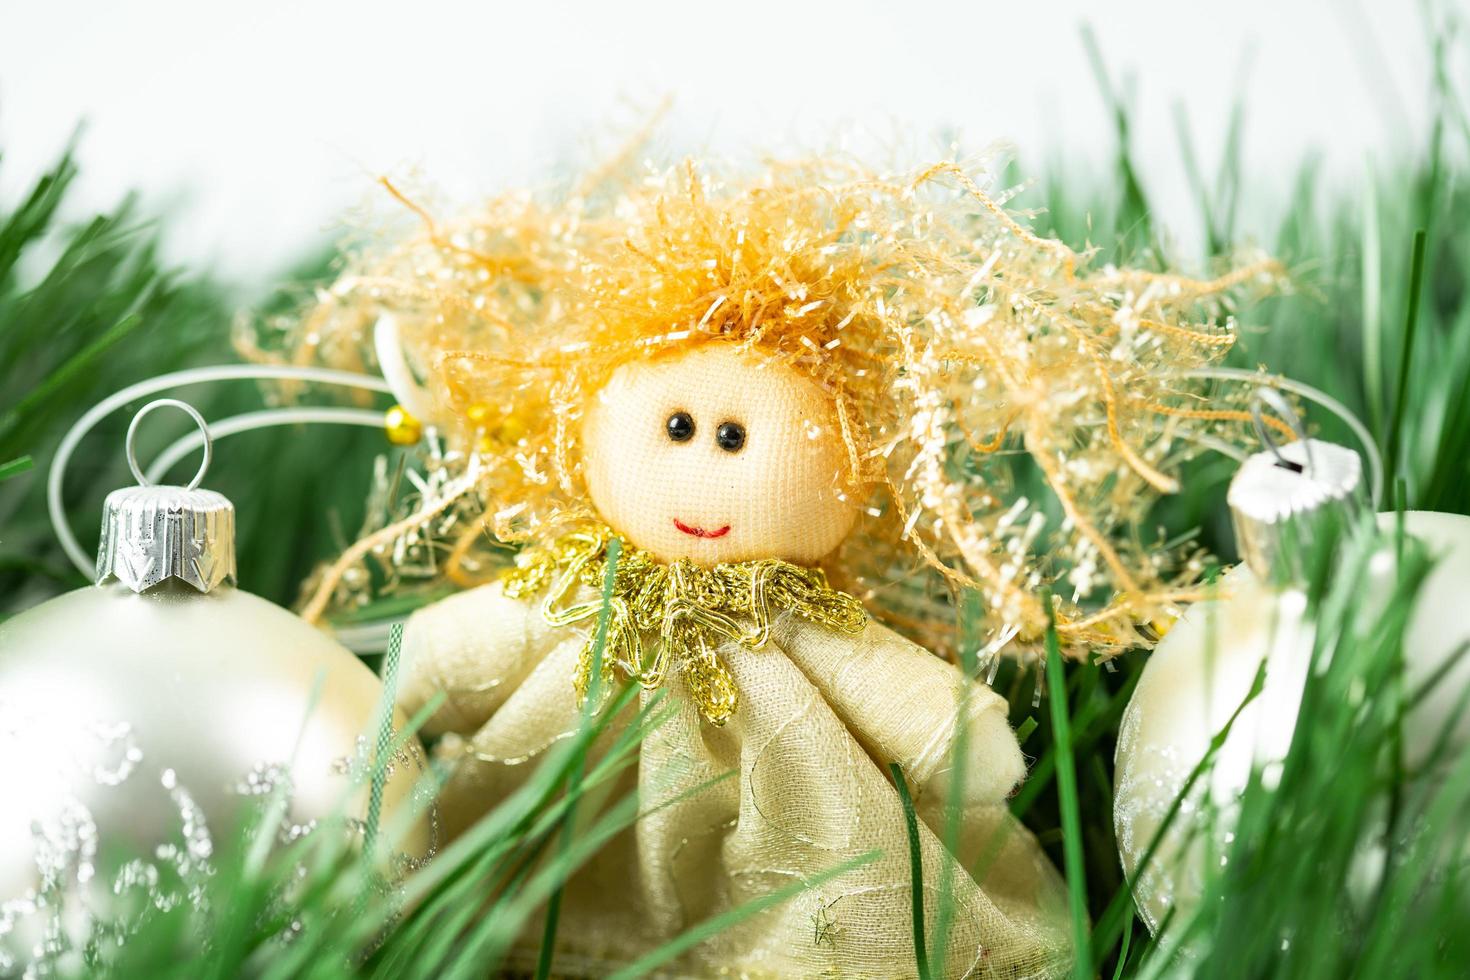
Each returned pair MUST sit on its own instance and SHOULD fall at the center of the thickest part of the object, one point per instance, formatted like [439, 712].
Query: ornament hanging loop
[193, 413]
[1263, 398]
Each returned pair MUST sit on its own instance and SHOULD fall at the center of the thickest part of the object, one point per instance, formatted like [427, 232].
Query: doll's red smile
[699, 532]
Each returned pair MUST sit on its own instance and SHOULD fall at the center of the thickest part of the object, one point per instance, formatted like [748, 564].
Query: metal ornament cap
[151, 534]
[154, 533]
[1284, 500]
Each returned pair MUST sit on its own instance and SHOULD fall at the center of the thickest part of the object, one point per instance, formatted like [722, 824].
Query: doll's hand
[994, 765]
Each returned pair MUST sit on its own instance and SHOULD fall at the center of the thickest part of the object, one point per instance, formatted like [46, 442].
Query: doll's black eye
[680, 427]
[730, 436]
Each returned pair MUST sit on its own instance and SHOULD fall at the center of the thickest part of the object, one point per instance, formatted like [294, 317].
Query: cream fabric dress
[821, 715]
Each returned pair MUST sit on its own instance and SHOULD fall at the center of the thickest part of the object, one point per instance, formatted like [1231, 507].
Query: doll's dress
[820, 716]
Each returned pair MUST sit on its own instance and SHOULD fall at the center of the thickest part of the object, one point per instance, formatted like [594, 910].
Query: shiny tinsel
[965, 358]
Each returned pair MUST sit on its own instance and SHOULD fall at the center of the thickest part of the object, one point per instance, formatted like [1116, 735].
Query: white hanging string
[56, 476]
[264, 419]
[1359, 430]
[393, 362]
[1218, 445]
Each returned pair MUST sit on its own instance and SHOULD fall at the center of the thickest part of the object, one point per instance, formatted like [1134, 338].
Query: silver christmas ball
[1201, 672]
[140, 726]
[142, 718]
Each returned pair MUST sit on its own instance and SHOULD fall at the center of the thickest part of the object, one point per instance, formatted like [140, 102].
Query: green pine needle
[1074, 867]
[1406, 360]
[697, 934]
[916, 869]
[599, 647]
[16, 467]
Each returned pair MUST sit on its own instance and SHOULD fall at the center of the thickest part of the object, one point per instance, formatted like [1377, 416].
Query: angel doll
[816, 409]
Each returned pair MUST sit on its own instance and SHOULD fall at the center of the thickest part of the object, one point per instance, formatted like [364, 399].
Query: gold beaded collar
[690, 610]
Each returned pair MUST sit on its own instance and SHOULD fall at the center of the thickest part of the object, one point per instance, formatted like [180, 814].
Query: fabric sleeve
[905, 705]
[477, 647]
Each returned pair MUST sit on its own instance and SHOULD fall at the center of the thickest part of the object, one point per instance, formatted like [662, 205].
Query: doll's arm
[907, 706]
[477, 647]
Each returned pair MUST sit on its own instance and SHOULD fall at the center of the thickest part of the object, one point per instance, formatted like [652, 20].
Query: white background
[258, 123]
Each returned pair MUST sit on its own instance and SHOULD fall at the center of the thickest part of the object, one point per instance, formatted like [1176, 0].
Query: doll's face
[717, 456]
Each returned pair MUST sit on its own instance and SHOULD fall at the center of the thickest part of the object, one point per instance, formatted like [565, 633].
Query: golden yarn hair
[1009, 415]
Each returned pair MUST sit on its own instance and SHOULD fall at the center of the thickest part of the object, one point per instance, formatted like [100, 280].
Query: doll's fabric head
[984, 413]
[714, 454]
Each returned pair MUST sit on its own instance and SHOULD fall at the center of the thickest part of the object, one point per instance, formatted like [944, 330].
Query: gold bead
[1162, 624]
[1159, 625]
[511, 430]
[401, 427]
